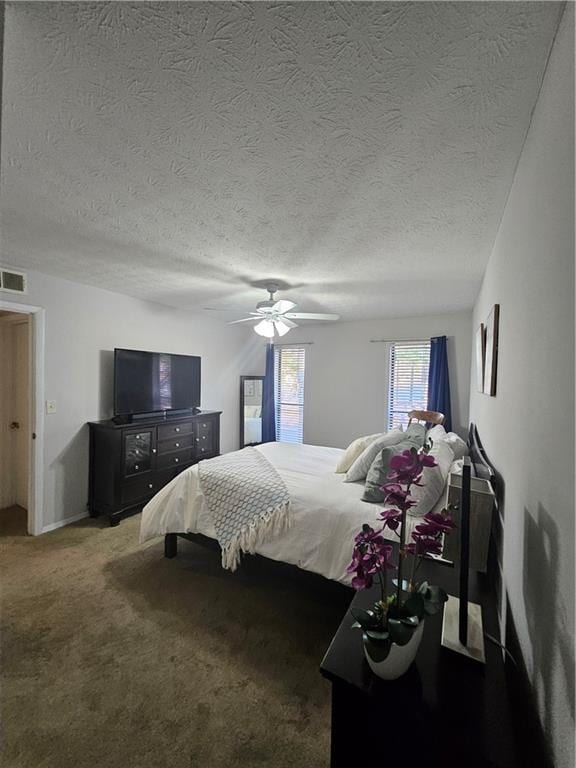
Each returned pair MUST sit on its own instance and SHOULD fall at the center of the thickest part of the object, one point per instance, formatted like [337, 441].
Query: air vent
[12, 281]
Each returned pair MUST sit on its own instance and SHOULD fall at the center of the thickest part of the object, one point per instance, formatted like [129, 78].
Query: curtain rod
[396, 341]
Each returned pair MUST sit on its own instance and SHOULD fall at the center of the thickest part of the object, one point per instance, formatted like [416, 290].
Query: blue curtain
[439, 380]
[268, 406]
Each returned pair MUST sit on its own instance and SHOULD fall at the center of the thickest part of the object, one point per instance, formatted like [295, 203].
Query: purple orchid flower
[371, 556]
[392, 518]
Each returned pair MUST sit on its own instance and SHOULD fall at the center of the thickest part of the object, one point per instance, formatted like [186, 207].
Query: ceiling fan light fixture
[265, 328]
[281, 327]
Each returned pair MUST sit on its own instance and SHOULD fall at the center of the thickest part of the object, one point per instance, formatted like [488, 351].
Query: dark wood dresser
[129, 463]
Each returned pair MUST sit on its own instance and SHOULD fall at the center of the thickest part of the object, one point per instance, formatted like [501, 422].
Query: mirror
[251, 410]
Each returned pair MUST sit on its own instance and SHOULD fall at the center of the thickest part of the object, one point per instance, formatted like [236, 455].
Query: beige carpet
[114, 657]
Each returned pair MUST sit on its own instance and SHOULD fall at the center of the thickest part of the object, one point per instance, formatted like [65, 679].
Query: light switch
[50, 406]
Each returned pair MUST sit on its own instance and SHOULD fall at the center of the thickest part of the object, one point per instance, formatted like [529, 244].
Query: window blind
[289, 365]
[408, 386]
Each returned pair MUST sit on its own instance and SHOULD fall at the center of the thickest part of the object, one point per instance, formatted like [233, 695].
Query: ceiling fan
[274, 316]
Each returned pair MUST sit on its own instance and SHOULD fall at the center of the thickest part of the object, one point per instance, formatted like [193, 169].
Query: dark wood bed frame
[481, 468]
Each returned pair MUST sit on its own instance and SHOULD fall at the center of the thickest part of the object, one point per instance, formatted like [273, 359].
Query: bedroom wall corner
[83, 325]
[528, 427]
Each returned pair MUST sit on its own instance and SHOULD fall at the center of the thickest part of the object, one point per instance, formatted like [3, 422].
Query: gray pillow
[417, 431]
[378, 472]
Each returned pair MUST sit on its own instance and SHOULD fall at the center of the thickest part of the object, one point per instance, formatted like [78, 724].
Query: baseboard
[531, 741]
[62, 523]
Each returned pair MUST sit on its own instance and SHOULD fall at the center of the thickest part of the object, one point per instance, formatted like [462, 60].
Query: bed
[327, 512]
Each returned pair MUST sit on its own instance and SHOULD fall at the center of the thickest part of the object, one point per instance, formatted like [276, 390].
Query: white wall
[528, 428]
[346, 384]
[83, 325]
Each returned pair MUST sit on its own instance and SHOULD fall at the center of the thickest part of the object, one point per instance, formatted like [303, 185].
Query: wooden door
[21, 408]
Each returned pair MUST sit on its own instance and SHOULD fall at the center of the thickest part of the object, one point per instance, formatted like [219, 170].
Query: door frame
[36, 332]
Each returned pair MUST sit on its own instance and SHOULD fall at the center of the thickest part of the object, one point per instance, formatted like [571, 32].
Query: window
[289, 395]
[408, 389]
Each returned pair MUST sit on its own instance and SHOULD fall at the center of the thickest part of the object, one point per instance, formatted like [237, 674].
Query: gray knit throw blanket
[248, 501]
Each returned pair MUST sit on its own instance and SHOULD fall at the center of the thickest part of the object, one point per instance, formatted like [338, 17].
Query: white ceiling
[359, 152]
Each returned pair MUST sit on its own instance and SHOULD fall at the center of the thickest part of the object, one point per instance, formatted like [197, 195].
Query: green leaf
[377, 651]
[432, 608]
[377, 635]
[356, 625]
[436, 595]
[415, 605]
[411, 621]
[399, 632]
[366, 619]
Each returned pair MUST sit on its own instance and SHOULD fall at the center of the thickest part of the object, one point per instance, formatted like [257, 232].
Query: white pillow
[360, 467]
[354, 450]
[455, 442]
[433, 480]
[436, 433]
[458, 445]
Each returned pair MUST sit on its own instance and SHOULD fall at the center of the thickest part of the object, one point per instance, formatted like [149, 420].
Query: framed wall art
[480, 353]
[491, 351]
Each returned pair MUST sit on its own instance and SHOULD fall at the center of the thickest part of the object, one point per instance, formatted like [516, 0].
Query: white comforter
[327, 512]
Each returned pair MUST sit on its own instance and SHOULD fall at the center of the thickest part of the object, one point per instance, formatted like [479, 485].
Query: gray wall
[528, 428]
[346, 384]
[83, 325]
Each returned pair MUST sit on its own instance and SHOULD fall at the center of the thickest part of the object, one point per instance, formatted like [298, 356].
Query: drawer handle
[137, 452]
[176, 429]
[150, 485]
[177, 445]
[137, 437]
[176, 459]
[136, 466]
[204, 425]
[153, 450]
[197, 439]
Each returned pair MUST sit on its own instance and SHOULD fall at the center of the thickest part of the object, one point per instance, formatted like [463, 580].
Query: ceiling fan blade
[244, 320]
[311, 316]
[289, 323]
[282, 306]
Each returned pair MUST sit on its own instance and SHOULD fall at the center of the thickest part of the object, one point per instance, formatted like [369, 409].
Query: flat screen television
[145, 382]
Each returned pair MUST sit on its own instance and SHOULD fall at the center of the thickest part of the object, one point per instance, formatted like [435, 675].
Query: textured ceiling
[181, 152]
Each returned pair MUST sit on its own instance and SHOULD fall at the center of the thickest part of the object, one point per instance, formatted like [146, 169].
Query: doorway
[14, 410]
[21, 422]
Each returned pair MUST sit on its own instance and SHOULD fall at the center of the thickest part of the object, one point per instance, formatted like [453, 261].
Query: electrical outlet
[50, 406]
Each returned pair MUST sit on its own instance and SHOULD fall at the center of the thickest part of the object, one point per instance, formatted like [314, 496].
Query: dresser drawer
[167, 431]
[205, 452]
[177, 443]
[137, 451]
[138, 490]
[204, 434]
[175, 458]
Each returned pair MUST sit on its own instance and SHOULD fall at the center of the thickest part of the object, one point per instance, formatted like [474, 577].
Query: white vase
[399, 658]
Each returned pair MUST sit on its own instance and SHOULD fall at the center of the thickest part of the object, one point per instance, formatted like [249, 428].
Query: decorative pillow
[354, 450]
[459, 447]
[433, 480]
[436, 433]
[362, 464]
[378, 472]
[416, 430]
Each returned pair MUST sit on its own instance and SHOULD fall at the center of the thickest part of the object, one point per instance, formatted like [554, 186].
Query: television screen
[152, 381]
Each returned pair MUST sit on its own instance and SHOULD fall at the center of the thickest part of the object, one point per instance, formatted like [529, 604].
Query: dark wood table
[446, 711]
